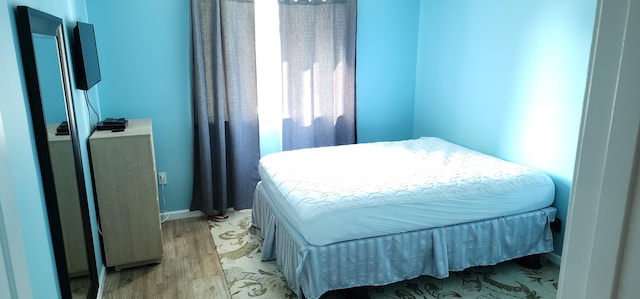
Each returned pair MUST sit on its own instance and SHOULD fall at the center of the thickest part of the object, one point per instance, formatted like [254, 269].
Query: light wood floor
[190, 267]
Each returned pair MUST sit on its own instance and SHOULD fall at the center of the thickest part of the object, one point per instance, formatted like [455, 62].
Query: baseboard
[182, 214]
[102, 278]
[553, 257]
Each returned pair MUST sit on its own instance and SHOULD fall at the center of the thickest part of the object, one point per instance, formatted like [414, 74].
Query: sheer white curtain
[305, 55]
[269, 75]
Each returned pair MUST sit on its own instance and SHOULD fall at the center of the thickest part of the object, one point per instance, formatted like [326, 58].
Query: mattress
[334, 194]
[313, 270]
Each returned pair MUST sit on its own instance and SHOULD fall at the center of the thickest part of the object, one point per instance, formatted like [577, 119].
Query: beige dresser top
[51, 134]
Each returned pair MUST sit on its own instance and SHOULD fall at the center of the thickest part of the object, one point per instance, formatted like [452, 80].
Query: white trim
[553, 258]
[603, 179]
[629, 273]
[181, 214]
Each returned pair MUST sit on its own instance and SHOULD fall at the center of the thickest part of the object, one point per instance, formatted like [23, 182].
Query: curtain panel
[225, 115]
[317, 39]
[318, 42]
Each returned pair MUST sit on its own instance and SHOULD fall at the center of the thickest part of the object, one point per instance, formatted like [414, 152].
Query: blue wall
[506, 78]
[24, 168]
[144, 58]
[145, 74]
[386, 50]
[48, 62]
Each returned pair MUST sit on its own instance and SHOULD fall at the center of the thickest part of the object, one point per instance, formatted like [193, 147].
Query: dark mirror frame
[29, 22]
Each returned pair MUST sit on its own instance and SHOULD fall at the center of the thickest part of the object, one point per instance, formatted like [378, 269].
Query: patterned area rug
[239, 247]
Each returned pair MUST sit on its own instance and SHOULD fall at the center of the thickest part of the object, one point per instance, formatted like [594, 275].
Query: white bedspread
[333, 194]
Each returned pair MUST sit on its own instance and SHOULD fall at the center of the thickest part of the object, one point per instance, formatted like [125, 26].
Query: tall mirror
[46, 73]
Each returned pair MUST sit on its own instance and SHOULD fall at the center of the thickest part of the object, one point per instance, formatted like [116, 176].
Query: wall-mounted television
[87, 66]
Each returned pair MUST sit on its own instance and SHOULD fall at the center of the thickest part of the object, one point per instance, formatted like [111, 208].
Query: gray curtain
[225, 114]
[318, 41]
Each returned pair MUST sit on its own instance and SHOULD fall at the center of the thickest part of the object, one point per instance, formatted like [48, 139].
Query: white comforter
[333, 194]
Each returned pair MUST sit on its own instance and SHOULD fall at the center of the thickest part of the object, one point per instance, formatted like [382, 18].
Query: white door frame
[7, 288]
[14, 272]
[605, 173]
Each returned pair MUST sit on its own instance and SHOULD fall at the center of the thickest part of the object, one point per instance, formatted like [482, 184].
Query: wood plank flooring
[190, 267]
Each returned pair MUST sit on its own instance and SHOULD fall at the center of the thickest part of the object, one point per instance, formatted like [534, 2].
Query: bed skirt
[314, 270]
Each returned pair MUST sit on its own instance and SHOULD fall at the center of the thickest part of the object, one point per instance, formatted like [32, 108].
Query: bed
[377, 213]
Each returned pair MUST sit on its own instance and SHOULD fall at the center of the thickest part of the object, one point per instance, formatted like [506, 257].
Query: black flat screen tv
[87, 67]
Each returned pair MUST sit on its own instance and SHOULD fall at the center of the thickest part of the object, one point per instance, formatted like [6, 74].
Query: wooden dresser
[124, 170]
[64, 173]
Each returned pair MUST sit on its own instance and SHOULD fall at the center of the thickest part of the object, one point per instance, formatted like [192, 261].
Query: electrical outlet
[162, 178]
